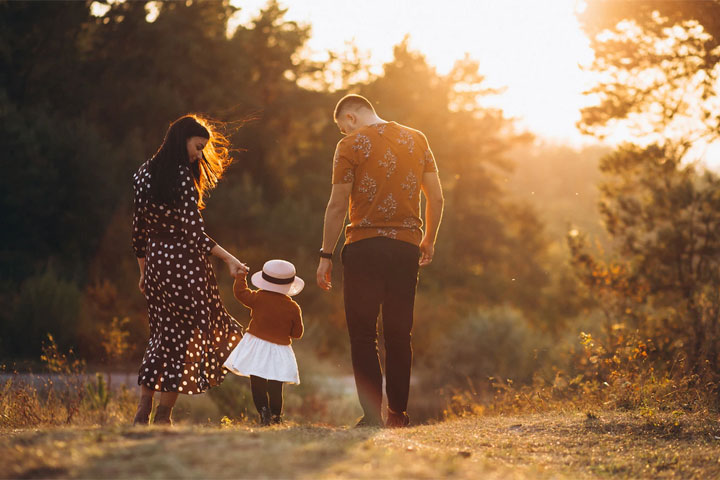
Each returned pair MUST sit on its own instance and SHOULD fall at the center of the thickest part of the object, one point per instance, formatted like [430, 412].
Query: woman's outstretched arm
[194, 226]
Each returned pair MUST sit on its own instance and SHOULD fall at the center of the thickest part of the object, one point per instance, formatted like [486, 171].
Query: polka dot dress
[191, 333]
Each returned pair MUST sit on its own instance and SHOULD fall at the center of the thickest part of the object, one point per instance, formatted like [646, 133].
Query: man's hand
[427, 251]
[334, 218]
[324, 274]
[433, 214]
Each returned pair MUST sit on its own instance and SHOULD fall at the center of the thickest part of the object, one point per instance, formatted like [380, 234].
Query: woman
[191, 333]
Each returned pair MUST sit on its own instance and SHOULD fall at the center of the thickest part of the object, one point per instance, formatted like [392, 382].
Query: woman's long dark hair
[164, 165]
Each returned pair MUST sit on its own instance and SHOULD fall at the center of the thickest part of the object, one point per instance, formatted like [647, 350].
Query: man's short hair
[352, 101]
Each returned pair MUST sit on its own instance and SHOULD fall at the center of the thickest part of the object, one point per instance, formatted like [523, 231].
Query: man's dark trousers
[380, 272]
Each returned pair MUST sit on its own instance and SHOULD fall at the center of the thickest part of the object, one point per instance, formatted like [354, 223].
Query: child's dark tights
[267, 393]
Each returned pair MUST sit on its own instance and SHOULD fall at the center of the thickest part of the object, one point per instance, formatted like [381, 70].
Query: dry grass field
[553, 445]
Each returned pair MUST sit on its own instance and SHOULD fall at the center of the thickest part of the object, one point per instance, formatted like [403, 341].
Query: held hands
[324, 274]
[236, 267]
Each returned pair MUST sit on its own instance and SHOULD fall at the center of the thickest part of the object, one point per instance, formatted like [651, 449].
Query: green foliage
[98, 395]
[488, 344]
[665, 220]
[66, 197]
[656, 63]
[657, 286]
[45, 303]
[57, 191]
[115, 339]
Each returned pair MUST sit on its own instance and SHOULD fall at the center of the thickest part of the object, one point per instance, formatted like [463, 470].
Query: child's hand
[235, 267]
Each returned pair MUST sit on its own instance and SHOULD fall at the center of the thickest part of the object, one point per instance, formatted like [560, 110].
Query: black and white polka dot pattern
[191, 333]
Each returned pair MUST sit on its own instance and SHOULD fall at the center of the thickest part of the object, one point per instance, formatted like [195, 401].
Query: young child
[264, 354]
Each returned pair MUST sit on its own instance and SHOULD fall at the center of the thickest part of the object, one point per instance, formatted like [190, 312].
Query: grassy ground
[556, 445]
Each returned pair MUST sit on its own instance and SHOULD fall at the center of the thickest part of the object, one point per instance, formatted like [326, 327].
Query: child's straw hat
[278, 276]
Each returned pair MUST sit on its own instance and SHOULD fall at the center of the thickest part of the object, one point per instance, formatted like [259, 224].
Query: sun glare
[533, 48]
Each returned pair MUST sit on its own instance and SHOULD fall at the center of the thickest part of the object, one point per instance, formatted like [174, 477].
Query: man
[380, 168]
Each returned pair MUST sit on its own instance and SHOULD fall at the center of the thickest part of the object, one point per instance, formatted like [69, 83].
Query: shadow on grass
[278, 452]
[665, 427]
[43, 472]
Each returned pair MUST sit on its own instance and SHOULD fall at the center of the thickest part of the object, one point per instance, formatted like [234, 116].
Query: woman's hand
[236, 267]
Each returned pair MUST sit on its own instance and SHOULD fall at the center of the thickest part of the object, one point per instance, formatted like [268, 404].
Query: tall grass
[67, 396]
[621, 375]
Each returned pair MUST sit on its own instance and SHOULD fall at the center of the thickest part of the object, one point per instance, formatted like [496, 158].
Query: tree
[117, 80]
[657, 66]
[665, 278]
[655, 61]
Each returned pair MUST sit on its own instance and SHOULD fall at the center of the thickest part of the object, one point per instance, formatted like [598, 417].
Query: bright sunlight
[532, 48]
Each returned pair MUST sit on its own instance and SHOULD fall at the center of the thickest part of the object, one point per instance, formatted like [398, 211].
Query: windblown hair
[352, 101]
[165, 164]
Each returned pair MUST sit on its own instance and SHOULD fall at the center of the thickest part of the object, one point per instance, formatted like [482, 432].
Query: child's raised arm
[242, 292]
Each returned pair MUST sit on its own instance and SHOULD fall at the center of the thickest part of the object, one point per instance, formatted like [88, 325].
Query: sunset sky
[533, 48]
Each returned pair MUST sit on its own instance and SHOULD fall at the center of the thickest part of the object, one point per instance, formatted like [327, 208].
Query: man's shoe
[276, 419]
[365, 421]
[397, 420]
[265, 416]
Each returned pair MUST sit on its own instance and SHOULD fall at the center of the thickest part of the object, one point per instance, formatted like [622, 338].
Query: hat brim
[289, 289]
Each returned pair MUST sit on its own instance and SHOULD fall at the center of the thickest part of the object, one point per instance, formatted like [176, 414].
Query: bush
[46, 303]
[488, 344]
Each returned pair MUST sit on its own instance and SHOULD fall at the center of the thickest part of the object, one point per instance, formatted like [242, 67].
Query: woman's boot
[162, 415]
[142, 415]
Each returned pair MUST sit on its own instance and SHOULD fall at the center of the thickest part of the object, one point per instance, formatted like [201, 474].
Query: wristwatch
[325, 255]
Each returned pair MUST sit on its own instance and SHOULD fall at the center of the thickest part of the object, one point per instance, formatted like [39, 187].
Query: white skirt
[255, 356]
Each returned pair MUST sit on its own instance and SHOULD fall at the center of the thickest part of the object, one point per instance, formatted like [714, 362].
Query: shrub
[46, 303]
[488, 344]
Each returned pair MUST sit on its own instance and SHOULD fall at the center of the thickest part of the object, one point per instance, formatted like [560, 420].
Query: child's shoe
[265, 416]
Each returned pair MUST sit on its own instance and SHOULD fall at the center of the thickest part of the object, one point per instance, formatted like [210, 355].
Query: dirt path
[610, 445]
